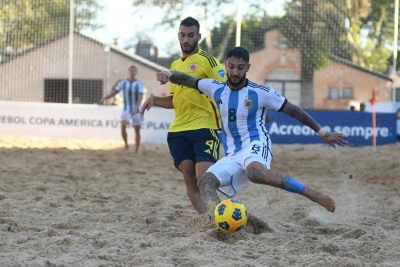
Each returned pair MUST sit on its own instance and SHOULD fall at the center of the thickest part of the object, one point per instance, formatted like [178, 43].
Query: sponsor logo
[351, 131]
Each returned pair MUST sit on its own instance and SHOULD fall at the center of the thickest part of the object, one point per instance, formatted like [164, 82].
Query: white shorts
[134, 120]
[231, 170]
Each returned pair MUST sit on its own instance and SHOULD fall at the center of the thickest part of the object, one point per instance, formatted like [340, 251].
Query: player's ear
[248, 67]
[199, 37]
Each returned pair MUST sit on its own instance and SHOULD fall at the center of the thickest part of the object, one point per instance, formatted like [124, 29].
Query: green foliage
[25, 23]
[253, 29]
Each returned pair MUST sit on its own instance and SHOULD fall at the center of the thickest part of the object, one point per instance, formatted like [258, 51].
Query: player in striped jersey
[242, 105]
[192, 136]
[132, 91]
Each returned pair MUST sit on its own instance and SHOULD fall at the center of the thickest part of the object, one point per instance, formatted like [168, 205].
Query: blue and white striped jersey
[242, 112]
[130, 93]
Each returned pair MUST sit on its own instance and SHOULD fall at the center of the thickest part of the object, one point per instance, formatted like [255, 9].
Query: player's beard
[234, 84]
[191, 49]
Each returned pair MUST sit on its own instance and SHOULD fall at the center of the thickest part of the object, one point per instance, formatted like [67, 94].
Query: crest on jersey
[193, 67]
[248, 103]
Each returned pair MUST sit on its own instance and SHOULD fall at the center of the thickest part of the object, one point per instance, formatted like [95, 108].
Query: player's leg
[225, 176]
[208, 185]
[256, 158]
[124, 134]
[137, 122]
[205, 148]
[206, 152]
[125, 119]
[187, 168]
[182, 153]
[137, 137]
[258, 174]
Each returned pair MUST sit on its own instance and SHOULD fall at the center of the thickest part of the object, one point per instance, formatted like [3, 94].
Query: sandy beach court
[90, 203]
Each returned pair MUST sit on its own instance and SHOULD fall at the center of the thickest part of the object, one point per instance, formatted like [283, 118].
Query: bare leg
[188, 171]
[124, 134]
[137, 137]
[208, 185]
[258, 174]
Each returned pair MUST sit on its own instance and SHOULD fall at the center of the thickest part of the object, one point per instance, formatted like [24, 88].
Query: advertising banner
[63, 121]
[356, 125]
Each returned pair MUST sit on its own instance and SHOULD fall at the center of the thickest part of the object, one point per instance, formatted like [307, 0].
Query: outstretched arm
[159, 101]
[299, 114]
[111, 94]
[177, 78]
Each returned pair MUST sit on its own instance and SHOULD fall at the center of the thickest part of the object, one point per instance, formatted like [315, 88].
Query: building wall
[22, 79]
[276, 55]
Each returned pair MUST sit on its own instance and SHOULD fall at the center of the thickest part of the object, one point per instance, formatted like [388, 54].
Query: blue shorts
[195, 145]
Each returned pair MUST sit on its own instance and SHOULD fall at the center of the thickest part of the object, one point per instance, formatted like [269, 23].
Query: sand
[89, 203]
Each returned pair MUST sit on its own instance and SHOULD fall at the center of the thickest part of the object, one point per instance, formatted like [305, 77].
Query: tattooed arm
[300, 115]
[177, 77]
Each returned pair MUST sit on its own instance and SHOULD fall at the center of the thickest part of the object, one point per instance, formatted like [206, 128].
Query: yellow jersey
[194, 110]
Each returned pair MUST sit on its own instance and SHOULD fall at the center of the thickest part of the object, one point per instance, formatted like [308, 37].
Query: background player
[132, 90]
[247, 145]
[192, 136]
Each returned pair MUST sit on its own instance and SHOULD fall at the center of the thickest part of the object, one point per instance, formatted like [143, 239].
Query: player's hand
[101, 101]
[133, 112]
[162, 77]
[267, 119]
[334, 139]
[147, 105]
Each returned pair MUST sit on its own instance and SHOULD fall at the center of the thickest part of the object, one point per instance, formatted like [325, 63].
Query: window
[347, 92]
[334, 93]
[83, 92]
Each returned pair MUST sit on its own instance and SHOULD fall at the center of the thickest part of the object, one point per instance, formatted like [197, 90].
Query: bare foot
[324, 200]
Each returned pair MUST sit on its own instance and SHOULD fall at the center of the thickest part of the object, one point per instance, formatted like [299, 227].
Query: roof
[358, 67]
[113, 48]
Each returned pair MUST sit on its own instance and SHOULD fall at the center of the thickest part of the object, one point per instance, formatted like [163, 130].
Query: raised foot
[324, 200]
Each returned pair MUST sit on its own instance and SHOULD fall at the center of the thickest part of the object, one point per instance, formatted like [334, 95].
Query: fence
[305, 48]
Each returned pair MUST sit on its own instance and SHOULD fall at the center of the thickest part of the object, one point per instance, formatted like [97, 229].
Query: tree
[370, 32]
[314, 28]
[217, 9]
[253, 29]
[25, 24]
[175, 8]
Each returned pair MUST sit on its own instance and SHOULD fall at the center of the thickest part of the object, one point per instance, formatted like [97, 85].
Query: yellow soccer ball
[230, 215]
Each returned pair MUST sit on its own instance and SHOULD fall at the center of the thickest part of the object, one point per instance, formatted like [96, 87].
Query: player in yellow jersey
[192, 137]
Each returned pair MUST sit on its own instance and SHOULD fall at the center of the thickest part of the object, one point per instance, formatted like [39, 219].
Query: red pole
[373, 101]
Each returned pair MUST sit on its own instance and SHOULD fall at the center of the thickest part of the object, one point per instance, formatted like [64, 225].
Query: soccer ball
[230, 215]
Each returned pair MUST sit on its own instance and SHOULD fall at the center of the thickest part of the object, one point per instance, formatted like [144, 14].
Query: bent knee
[256, 173]
[209, 179]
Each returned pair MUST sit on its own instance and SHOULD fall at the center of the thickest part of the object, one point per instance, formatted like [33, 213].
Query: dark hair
[239, 53]
[189, 22]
